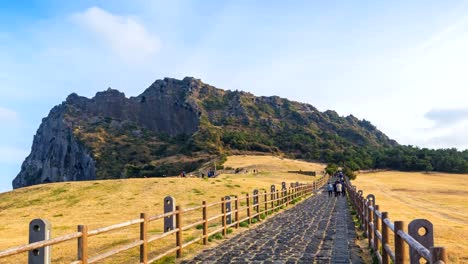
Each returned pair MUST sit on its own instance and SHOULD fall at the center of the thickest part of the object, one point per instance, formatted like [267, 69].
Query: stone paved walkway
[318, 230]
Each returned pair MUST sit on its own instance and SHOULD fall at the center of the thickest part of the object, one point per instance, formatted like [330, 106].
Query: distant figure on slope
[334, 187]
[330, 189]
[339, 188]
[343, 188]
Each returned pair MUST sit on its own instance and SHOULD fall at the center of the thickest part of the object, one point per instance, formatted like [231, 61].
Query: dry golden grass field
[438, 197]
[103, 203]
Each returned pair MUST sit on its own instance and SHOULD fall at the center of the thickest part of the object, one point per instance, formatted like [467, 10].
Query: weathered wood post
[284, 191]
[297, 190]
[169, 207]
[179, 231]
[248, 208]
[83, 244]
[370, 234]
[385, 256]
[237, 211]
[400, 252]
[227, 200]
[223, 218]
[376, 228]
[39, 230]
[144, 238]
[369, 218]
[426, 238]
[205, 224]
[255, 204]
[272, 190]
[265, 198]
[277, 198]
[438, 254]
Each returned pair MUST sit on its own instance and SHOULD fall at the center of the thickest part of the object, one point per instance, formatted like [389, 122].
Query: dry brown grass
[438, 197]
[103, 203]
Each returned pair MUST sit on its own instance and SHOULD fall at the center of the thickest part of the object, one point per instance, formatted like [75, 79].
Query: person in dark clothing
[343, 189]
[334, 188]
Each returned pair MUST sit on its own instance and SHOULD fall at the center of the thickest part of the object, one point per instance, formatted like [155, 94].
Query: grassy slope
[102, 203]
[439, 197]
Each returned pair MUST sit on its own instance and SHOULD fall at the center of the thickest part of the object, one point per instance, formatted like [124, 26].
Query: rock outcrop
[56, 154]
[179, 125]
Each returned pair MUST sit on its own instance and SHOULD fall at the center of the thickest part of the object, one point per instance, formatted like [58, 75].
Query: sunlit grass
[103, 203]
[438, 197]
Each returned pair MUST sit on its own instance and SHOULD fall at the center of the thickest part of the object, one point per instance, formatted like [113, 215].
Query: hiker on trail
[334, 187]
[343, 188]
[330, 189]
[339, 188]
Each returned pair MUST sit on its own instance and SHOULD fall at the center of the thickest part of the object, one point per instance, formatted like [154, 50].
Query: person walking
[343, 188]
[334, 188]
[338, 188]
[330, 189]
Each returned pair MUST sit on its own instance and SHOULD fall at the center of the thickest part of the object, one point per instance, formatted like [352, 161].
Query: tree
[331, 169]
[350, 173]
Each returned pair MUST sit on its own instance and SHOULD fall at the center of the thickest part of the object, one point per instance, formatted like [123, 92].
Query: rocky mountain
[178, 125]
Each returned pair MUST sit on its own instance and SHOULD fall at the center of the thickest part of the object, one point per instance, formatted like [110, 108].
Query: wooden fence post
[385, 256]
[438, 254]
[205, 224]
[179, 231]
[370, 229]
[169, 206]
[39, 230]
[237, 211]
[376, 228]
[248, 208]
[144, 238]
[255, 204]
[265, 197]
[400, 253]
[228, 208]
[272, 191]
[277, 198]
[83, 244]
[223, 218]
[426, 239]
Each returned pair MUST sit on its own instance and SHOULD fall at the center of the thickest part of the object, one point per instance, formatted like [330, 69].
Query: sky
[399, 64]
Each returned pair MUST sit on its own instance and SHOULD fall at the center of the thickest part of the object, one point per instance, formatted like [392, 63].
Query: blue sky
[400, 65]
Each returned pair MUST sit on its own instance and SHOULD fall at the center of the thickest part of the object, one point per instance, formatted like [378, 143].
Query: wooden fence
[377, 226]
[256, 205]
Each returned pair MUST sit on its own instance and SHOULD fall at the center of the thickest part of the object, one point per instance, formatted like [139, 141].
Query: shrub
[244, 224]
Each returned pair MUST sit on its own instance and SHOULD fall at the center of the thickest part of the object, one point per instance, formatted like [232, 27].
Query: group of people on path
[338, 187]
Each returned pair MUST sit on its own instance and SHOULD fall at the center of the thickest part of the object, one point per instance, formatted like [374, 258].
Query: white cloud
[12, 155]
[128, 38]
[7, 115]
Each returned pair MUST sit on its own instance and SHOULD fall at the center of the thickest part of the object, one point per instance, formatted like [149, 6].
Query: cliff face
[178, 125]
[56, 155]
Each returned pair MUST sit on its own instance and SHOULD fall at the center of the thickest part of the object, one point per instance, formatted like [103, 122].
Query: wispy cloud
[446, 117]
[125, 35]
[7, 115]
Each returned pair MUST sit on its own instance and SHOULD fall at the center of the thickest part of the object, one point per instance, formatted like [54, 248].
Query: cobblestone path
[318, 230]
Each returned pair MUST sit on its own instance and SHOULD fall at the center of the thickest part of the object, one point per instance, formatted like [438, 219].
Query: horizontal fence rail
[378, 228]
[255, 207]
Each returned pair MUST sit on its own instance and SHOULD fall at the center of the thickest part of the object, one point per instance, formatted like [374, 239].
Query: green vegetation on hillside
[233, 122]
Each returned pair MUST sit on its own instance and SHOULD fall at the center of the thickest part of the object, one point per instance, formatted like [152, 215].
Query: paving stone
[318, 230]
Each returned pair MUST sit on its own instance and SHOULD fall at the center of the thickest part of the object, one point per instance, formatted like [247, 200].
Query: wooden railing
[256, 205]
[376, 225]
